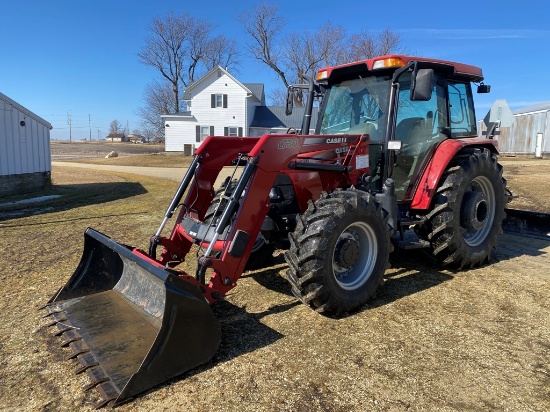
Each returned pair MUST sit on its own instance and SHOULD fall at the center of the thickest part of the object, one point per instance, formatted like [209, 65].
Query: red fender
[444, 153]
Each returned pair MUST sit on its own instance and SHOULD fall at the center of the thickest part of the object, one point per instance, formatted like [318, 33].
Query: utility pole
[70, 126]
[90, 126]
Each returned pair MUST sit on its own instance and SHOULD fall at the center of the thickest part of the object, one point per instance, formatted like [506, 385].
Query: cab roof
[394, 61]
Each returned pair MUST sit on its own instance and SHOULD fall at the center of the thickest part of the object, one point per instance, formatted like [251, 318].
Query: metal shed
[25, 158]
[530, 133]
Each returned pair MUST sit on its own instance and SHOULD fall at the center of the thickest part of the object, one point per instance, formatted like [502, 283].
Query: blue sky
[81, 55]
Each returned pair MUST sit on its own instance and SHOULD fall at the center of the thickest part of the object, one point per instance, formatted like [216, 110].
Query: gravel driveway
[169, 173]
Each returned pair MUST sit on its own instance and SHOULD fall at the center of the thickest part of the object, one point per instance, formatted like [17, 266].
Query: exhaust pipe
[130, 324]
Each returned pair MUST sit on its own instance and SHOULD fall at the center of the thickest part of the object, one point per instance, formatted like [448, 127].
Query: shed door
[538, 147]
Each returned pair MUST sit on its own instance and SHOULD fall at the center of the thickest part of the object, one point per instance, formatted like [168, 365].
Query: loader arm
[225, 245]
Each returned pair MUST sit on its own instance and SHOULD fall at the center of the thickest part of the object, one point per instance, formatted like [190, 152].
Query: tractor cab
[406, 105]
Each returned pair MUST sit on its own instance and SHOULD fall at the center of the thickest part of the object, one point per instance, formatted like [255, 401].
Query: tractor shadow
[66, 197]
[270, 277]
[511, 246]
[411, 272]
[241, 333]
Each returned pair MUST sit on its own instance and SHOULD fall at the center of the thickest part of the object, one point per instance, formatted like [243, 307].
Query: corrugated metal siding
[23, 149]
[521, 138]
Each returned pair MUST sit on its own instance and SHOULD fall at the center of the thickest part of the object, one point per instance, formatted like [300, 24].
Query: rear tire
[339, 252]
[468, 209]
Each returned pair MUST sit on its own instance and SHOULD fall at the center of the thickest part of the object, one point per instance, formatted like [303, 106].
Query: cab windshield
[357, 106]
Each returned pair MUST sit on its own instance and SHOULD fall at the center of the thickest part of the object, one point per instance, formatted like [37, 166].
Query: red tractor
[395, 149]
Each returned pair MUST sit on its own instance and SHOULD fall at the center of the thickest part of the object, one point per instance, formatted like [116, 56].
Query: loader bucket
[130, 324]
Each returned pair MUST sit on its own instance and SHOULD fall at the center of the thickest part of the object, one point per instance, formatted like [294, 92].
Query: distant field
[72, 150]
[129, 154]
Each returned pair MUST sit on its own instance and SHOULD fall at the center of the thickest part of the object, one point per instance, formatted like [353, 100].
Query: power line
[70, 128]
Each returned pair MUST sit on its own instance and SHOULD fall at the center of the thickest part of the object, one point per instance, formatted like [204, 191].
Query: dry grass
[528, 179]
[433, 340]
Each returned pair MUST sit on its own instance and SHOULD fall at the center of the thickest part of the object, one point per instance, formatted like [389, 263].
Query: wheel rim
[485, 213]
[354, 256]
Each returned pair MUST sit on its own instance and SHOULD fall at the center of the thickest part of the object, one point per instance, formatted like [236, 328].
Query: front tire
[468, 210]
[339, 252]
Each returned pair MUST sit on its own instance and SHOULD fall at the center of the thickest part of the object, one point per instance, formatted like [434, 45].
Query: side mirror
[289, 101]
[484, 88]
[422, 85]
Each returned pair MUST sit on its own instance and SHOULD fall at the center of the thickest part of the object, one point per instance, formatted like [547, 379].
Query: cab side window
[461, 110]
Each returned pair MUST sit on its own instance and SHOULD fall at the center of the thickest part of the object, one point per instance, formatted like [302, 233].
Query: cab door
[420, 126]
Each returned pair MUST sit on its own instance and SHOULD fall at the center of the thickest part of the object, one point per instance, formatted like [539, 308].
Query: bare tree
[115, 127]
[305, 52]
[222, 52]
[365, 45]
[277, 96]
[157, 100]
[151, 134]
[331, 44]
[263, 24]
[179, 47]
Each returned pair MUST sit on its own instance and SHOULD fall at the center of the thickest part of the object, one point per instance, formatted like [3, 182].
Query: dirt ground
[434, 339]
[528, 180]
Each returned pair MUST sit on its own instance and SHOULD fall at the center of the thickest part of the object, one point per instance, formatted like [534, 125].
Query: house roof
[274, 116]
[25, 111]
[187, 95]
[257, 90]
[539, 107]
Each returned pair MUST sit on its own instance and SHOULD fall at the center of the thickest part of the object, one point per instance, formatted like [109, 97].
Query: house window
[218, 100]
[233, 131]
[203, 132]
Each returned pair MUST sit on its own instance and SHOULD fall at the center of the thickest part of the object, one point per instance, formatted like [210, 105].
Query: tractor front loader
[133, 319]
[394, 161]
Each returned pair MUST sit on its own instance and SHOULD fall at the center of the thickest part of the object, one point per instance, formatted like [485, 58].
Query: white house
[25, 159]
[219, 105]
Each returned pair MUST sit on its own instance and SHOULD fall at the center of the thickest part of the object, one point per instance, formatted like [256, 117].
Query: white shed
[25, 158]
[529, 133]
